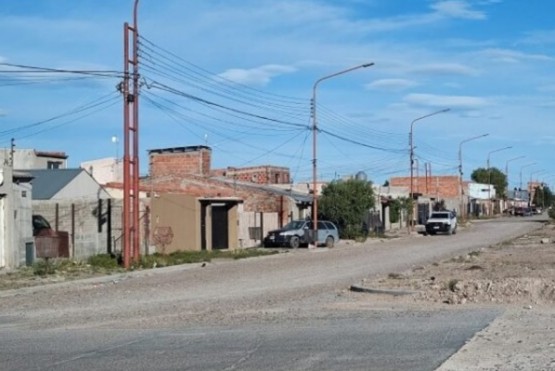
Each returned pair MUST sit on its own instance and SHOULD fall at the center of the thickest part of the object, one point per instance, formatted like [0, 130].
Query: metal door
[219, 227]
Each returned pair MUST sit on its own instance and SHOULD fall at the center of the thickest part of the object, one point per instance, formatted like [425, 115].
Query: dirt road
[278, 288]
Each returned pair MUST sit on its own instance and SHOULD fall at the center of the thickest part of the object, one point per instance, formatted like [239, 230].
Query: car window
[295, 224]
[441, 215]
[330, 225]
[321, 225]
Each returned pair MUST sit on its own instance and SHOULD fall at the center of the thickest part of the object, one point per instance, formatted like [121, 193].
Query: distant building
[24, 159]
[105, 170]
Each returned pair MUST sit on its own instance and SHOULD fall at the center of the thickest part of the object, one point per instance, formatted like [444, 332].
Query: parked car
[297, 233]
[523, 211]
[442, 221]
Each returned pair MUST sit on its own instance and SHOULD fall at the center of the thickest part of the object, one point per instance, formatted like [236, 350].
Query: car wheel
[450, 231]
[455, 230]
[294, 242]
[329, 241]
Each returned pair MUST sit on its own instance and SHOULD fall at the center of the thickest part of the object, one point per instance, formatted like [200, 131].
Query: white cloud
[391, 84]
[445, 69]
[447, 101]
[513, 56]
[259, 76]
[457, 9]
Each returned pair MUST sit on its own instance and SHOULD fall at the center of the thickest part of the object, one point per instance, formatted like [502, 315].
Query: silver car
[298, 233]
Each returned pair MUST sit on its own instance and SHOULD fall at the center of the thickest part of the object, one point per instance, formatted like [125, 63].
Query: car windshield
[295, 224]
[440, 215]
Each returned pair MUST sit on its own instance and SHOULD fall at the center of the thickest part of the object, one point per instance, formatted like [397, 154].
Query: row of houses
[184, 203]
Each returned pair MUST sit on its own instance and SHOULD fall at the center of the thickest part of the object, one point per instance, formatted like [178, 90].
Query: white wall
[105, 170]
[82, 186]
[481, 191]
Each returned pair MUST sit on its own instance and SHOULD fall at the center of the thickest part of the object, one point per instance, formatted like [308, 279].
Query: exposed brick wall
[435, 186]
[187, 170]
[264, 174]
[180, 163]
[198, 186]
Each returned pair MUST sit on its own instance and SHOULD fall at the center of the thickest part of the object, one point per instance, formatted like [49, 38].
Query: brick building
[187, 171]
[438, 187]
[265, 174]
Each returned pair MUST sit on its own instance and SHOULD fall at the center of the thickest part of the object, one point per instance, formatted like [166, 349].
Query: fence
[253, 226]
[94, 226]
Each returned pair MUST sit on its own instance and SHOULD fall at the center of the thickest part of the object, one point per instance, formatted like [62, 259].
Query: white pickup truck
[442, 221]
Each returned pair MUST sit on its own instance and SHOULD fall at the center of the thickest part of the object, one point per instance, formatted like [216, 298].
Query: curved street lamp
[461, 170]
[523, 167]
[489, 171]
[507, 166]
[314, 146]
[496, 150]
[411, 146]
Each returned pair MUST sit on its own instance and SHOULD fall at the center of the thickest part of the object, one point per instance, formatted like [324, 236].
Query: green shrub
[103, 261]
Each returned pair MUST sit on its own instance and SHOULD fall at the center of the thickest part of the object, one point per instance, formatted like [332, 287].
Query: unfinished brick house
[447, 190]
[265, 174]
[233, 207]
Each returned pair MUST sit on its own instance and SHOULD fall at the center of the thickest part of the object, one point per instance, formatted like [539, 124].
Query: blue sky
[241, 74]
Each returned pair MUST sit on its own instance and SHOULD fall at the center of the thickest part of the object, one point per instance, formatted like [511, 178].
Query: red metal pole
[126, 167]
[136, 211]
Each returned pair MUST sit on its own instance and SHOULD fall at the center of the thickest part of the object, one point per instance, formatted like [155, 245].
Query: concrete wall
[82, 186]
[15, 220]
[23, 220]
[175, 223]
[85, 238]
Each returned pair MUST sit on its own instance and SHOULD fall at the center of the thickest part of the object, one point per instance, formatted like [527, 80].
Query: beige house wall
[175, 223]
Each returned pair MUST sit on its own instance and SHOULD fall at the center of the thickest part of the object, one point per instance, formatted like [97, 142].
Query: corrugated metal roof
[48, 182]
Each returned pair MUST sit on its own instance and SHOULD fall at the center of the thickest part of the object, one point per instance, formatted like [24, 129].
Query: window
[53, 164]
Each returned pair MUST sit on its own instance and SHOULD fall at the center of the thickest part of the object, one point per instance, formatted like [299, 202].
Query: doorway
[220, 226]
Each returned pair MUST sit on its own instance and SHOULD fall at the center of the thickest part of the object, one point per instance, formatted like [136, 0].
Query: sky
[239, 76]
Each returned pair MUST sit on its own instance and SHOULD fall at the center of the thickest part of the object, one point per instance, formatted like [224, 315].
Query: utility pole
[131, 142]
[12, 152]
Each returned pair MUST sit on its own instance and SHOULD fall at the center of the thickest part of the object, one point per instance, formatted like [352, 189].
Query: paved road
[283, 312]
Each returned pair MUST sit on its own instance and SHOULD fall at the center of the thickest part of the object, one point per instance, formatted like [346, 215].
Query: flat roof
[179, 149]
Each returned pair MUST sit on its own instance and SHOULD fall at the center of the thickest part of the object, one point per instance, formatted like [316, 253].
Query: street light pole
[314, 147]
[488, 168]
[496, 150]
[461, 171]
[520, 186]
[411, 147]
[507, 167]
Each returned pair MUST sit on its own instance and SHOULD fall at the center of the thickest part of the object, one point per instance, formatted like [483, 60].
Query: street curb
[369, 290]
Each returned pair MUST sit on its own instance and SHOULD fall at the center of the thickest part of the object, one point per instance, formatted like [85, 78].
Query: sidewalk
[523, 338]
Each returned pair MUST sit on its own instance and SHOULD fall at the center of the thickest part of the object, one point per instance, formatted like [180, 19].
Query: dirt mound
[521, 271]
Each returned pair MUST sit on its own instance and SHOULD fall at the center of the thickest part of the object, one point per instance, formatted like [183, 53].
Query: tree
[543, 196]
[492, 176]
[346, 203]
